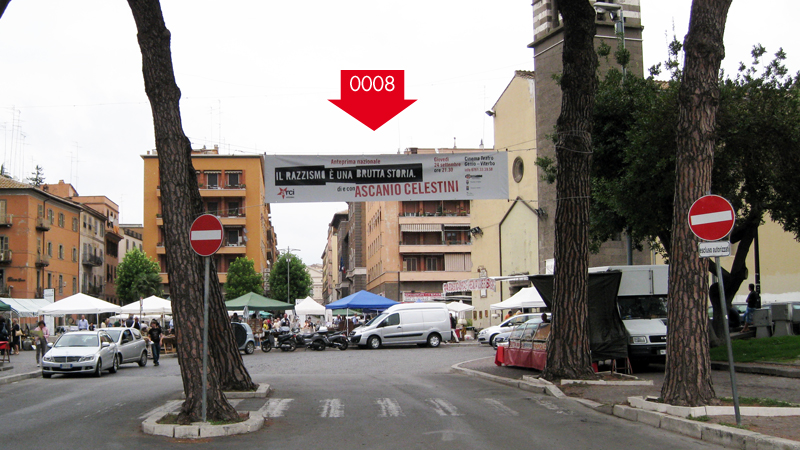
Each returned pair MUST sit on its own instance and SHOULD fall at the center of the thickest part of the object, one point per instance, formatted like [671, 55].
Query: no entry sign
[206, 235]
[711, 217]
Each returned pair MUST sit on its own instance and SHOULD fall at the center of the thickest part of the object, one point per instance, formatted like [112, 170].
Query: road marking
[275, 407]
[443, 407]
[499, 408]
[389, 407]
[164, 409]
[553, 407]
[332, 407]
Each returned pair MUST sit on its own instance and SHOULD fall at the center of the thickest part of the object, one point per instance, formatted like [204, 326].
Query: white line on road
[168, 408]
[332, 407]
[443, 407]
[499, 408]
[275, 407]
[389, 407]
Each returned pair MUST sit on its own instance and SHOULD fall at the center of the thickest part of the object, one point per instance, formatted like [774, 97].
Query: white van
[642, 303]
[406, 323]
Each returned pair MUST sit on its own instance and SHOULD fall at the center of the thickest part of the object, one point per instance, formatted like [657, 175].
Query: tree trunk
[568, 346]
[181, 204]
[688, 372]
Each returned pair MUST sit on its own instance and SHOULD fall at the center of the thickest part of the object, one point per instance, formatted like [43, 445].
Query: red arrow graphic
[373, 97]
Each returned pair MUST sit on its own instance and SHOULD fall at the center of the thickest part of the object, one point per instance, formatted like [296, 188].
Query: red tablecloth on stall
[519, 357]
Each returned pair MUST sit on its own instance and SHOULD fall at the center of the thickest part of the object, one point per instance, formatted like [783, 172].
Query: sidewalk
[774, 381]
[22, 366]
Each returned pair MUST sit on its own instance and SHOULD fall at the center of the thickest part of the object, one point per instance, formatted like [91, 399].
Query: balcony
[446, 247]
[231, 190]
[42, 224]
[94, 290]
[42, 260]
[5, 220]
[5, 256]
[91, 260]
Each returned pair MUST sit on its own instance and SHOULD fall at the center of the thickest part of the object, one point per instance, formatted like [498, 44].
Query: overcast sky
[256, 77]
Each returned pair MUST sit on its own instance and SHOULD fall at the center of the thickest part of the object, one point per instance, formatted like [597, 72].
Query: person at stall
[16, 337]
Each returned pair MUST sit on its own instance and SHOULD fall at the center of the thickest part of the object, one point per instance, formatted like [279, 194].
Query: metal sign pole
[727, 332]
[205, 337]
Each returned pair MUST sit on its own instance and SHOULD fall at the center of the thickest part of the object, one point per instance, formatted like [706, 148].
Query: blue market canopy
[362, 300]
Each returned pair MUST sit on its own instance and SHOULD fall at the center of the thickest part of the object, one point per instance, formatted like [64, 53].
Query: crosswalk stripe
[499, 408]
[275, 407]
[332, 407]
[389, 407]
[443, 407]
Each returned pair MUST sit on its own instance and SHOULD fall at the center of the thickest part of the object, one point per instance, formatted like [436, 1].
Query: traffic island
[198, 430]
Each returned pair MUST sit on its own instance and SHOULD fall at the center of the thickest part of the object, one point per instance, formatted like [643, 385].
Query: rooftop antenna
[454, 143]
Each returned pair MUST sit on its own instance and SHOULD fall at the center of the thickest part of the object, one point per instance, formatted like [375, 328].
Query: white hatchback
[487, 335]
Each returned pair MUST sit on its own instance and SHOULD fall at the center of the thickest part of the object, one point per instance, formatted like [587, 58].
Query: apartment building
[232, 188]
[330, 260]
[315, 271]
[413, 247]
[131, 238]
[39, 241]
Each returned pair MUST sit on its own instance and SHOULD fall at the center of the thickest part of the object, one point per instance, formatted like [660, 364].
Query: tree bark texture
[181, 204]
[688, 371]
[568, 353]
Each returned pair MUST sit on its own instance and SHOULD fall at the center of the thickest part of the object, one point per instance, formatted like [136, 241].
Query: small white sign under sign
[713, 249]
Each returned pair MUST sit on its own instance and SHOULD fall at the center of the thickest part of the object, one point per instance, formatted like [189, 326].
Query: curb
[713, 433]
[529, 384]
[759, 370]
[200, 430]
[20, 376]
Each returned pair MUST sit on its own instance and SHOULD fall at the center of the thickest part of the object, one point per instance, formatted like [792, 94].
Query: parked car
[131, 345]
[244, 337]
[406, 323]
[502, 338]
[487, 335]
[81, 352]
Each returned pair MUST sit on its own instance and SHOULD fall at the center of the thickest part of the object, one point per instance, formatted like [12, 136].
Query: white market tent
[153, 306]
[459, 307]
[26, 307]
[526, 298]
[79, 304]
[309, 307]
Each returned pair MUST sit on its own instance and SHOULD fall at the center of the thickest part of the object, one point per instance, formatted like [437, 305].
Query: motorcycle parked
[337, 339]
[314, 341]
[282, 338]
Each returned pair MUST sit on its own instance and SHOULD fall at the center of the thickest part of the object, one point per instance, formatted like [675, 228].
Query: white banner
[470, 285]
[348, 178]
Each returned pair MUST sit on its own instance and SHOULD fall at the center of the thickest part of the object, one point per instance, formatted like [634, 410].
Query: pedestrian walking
[154, 332]
[41, 333]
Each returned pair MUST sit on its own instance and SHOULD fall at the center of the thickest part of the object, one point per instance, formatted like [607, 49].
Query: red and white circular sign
[711, 217]
[206, 235]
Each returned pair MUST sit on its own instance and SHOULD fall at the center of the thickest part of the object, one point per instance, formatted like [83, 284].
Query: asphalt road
[403, 398]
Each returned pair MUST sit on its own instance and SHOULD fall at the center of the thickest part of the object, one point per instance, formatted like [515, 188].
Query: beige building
[232, 188]
[517, 237]
[413, 247]
[315, 271]
[131, 238]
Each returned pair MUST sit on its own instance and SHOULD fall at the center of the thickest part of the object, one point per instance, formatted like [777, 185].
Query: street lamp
[616, 13]
[288, 250]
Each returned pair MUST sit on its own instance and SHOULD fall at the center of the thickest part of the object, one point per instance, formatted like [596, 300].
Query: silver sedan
[81, 352]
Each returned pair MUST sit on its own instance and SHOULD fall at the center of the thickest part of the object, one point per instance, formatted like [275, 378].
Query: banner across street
[349, 178]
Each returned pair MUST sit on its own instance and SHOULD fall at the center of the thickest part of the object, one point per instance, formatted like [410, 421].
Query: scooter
[337, 339]
[314, 341]
[282, 338]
